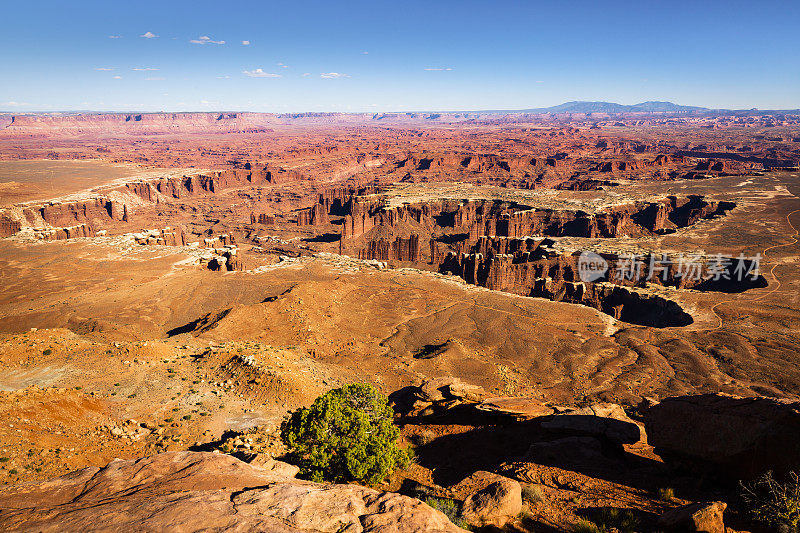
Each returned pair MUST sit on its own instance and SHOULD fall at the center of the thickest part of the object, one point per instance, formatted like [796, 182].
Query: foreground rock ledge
[197, 491]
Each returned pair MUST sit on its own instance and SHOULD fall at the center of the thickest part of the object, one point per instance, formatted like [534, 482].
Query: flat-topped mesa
[63, 233]
[635, 219]
[163, 237]
[637, 165]
[80, 211]
[249, 174]
[519, 171]
[218, 241]
[138, 124]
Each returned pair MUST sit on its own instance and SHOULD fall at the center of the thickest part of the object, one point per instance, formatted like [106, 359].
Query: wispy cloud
[117, 77]
[13, 104]
[331, 75]
[365, 53]
[282, 65]
[306, 74]
[144, 69]
[259, 73]
[115, 36]
[438, 68]
[245, 43]
[223, 77]
[205, 39]
[104, 68]
[149, 35]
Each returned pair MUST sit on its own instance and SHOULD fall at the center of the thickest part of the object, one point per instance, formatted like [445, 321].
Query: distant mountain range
[610, 107]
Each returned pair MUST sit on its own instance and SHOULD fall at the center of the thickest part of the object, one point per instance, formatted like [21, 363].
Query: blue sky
[140, 55]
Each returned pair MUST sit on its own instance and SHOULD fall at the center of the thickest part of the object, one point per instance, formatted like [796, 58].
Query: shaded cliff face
[532, 268]
[452, 225]
[488, 243]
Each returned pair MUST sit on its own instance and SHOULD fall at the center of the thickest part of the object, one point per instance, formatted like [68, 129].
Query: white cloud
[259, 73]
[282, 65]
[205, 39]
[331, 75]
[117, 77]
[115, 36]
[223, 77]
[144, 69]
[438, 68]
[104, 68]
[14, 104]
[365, 53]
[149, 35]
[306, 74]
[246, 43]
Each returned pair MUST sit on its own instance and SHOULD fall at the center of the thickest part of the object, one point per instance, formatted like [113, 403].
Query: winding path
[796, 238]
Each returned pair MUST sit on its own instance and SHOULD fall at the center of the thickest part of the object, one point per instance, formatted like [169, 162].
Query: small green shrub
[450, 508]
[47, 351]
[773, 502]
[609, 519]
[532, 494]
[424, 438]
[621, 519]
[347, 434]
[666, 494]
[586, 526]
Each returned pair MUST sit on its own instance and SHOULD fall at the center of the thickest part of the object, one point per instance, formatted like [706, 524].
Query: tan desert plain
[581, 322]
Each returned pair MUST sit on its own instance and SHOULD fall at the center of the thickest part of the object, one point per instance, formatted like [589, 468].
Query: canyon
[537, 293]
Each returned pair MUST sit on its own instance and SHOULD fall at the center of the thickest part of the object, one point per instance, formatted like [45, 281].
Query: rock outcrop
[8, 226]
[737, 437]
[164, 237]
[198, 491]
[496, 500]
[65, 232]
[607, 421]
[699, 517]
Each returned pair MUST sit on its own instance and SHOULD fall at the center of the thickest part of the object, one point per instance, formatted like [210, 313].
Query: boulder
[495, 504]
[466, 392]
[701, 517]
[268, 464]
[737, 437]
[433, 390]
[517, 407]
[607, 421]
[199, 491]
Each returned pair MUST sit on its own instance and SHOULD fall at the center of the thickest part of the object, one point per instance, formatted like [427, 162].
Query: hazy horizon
[374, 57]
